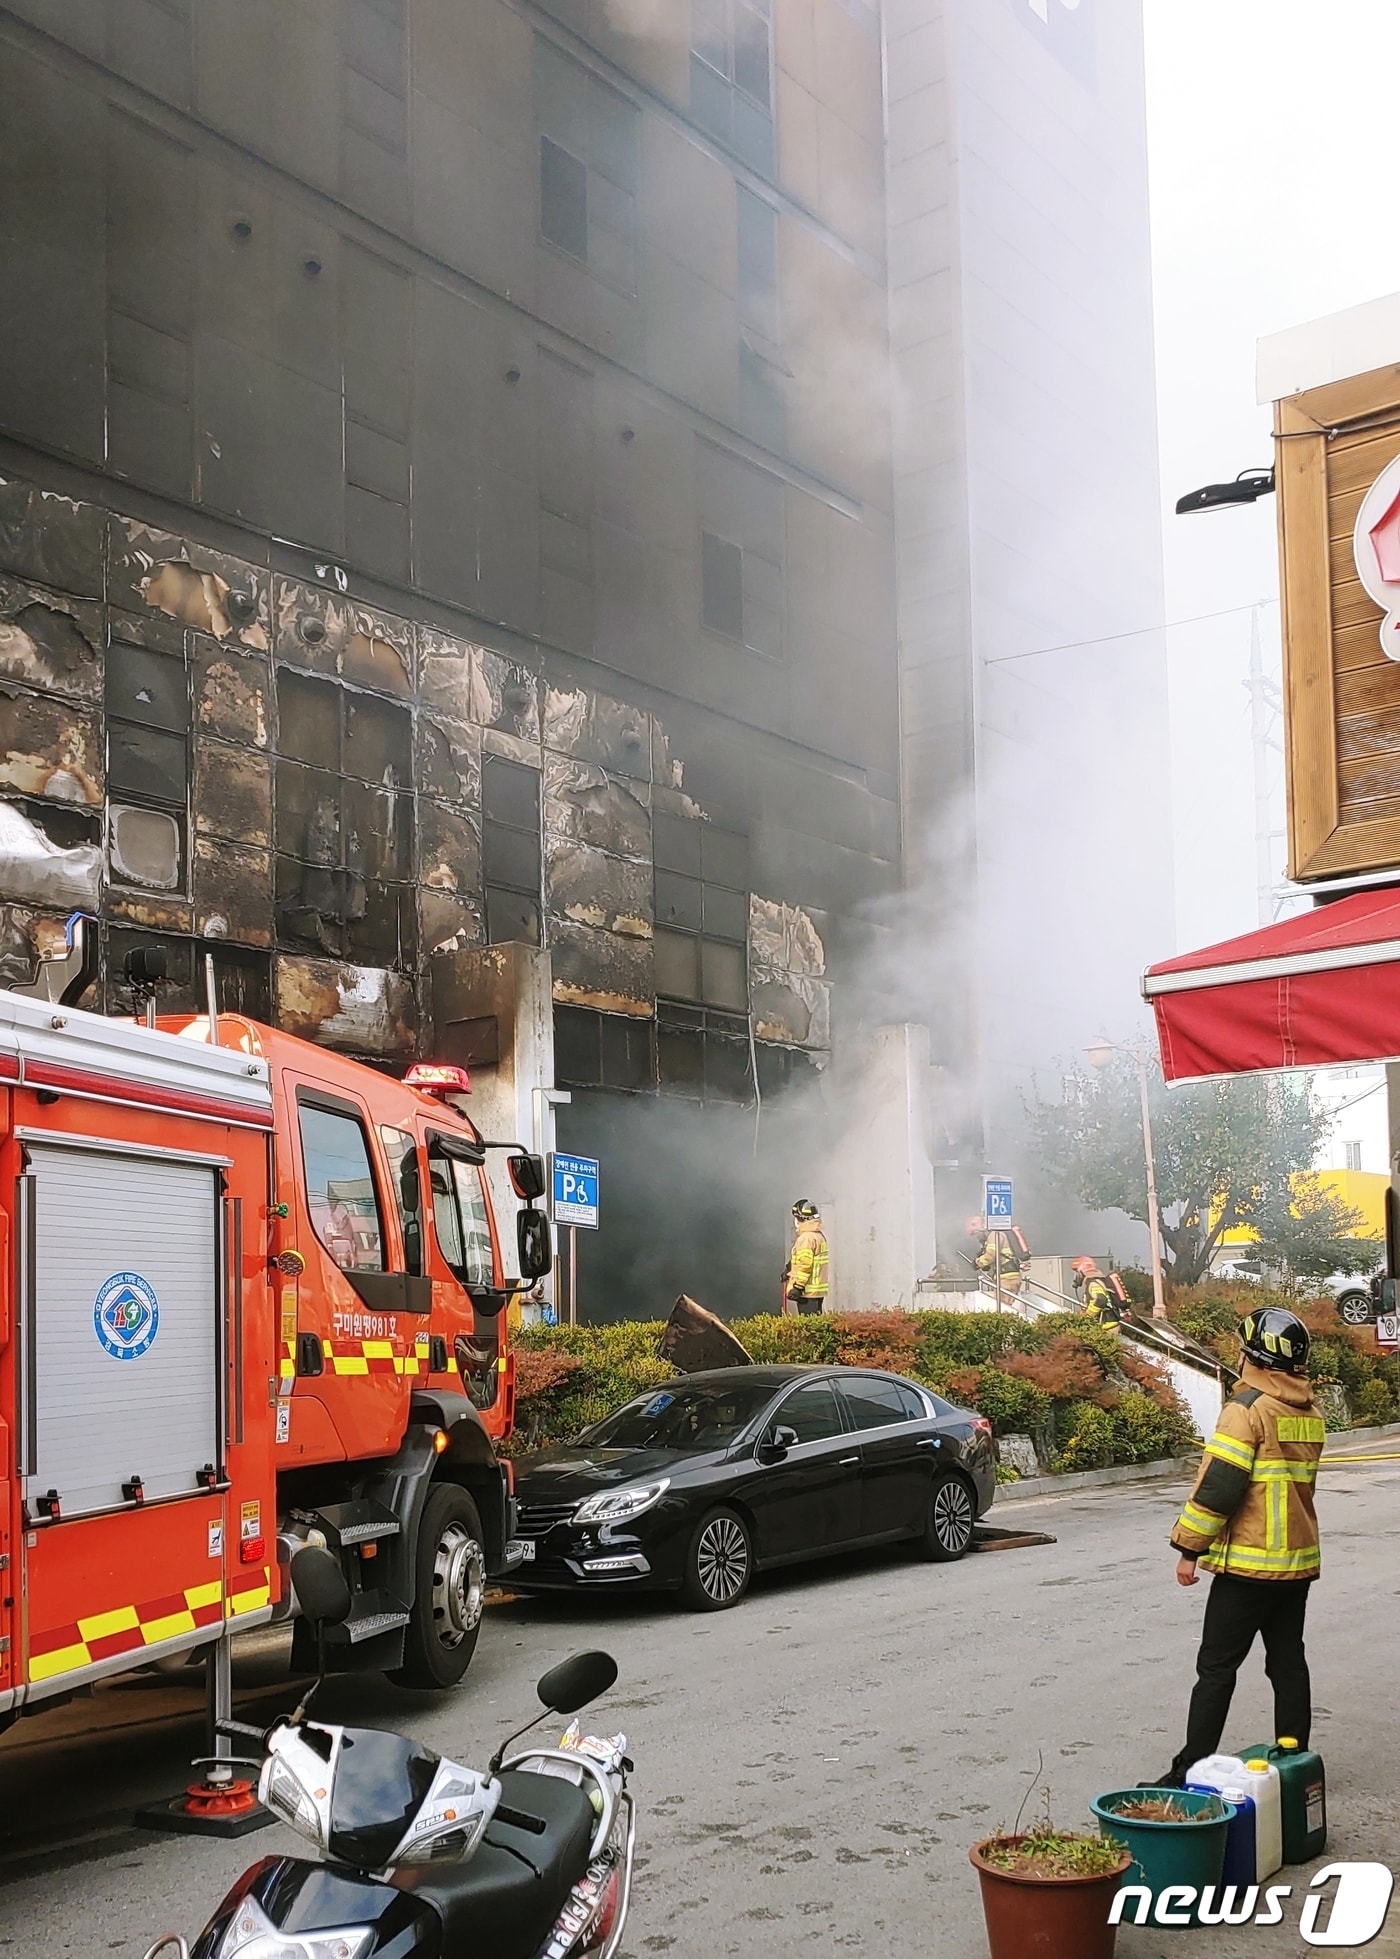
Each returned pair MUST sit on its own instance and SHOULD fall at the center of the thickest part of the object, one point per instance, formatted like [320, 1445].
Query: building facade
[461, 519]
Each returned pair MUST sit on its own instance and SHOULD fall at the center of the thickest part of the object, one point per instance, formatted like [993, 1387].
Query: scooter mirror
[321, 1590]
[576, 1681]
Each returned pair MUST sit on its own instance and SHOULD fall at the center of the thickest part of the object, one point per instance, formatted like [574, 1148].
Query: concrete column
[881, 1219]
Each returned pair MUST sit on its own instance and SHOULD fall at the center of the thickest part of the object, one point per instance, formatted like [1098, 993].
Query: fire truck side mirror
[533, 1243]
[321, 1589]
[527, 1177]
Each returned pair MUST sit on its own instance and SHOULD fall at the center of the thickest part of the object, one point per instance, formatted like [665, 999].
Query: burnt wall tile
[151, 913]
[590, 806]
[51, 539]
[448, 922]
[449, 849]
[602, 969]
[233, 793]
[49, 749]
[50, 642]
[447, 762]
[208, 590]
[232, 892]
[359, 1009]
[336, 635]
[232, 692]
[595, 728]
[588, 887]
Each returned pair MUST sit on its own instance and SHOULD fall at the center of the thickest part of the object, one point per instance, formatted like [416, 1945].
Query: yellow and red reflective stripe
[131, 1628]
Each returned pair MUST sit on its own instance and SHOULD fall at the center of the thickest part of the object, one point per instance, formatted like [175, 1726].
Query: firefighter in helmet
[1252, 1523]
[805, 1274]
[1103, 1295]
[1015, 1256]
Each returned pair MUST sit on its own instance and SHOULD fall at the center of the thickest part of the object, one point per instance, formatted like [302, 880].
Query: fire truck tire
[450, 1593]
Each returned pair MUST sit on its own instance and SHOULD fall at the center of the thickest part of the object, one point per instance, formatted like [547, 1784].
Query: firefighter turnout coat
[806, 1272]
[1251, 1514]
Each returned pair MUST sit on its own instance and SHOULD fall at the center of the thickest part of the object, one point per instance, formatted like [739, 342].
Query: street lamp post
[1098, 1055]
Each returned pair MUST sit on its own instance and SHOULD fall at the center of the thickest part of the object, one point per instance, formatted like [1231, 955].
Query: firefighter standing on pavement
[1251, 1522]
[805, 1274]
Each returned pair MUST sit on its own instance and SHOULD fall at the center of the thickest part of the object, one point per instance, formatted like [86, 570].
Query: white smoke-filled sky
[1274, 200]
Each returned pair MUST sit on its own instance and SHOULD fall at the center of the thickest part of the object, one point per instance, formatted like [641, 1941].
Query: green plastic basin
[1191, 1852]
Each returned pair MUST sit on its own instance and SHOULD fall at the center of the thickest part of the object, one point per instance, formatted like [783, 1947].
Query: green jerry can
[1303, 1790]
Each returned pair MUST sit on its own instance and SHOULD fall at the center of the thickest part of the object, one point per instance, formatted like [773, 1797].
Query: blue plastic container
[1241, 1856]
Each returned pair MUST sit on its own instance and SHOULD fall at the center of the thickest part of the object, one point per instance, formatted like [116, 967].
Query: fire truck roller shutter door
[125, 1333]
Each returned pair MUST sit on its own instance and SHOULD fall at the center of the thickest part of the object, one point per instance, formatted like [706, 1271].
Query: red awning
[1311, 992]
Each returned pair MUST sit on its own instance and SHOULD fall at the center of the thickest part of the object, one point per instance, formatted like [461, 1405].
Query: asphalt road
[810, 1768]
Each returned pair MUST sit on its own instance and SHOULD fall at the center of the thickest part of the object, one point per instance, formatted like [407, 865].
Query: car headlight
[611, 1506]
[251, 1936]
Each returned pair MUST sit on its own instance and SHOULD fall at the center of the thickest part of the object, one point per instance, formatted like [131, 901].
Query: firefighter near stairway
[805, 1274]
[1252, 1523]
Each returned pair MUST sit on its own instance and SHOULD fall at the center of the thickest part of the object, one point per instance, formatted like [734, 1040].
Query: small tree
[1229, 1154]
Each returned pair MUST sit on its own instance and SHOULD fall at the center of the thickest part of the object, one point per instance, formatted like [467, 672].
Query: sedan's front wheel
[719, 1563]
[951, 1517]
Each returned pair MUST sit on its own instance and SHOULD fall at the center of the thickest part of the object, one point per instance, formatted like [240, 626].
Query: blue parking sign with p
[996, 1200]
[576, 1191]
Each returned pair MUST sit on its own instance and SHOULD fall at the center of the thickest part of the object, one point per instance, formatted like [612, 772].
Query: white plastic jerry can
[1214, 1771]
[1261, 1781]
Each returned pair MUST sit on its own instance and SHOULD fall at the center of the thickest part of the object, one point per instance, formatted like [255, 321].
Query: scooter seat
[503, 1903]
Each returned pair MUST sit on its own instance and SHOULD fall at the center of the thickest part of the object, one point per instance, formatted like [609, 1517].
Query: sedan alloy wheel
[950, 1519]
[720, 1563]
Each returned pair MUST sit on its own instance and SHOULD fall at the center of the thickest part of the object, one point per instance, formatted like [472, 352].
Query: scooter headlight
[251, 1936]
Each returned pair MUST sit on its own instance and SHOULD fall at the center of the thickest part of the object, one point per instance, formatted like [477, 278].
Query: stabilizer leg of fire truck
[223, 1802]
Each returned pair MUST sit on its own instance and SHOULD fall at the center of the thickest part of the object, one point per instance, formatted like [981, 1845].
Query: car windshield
[686, 1416]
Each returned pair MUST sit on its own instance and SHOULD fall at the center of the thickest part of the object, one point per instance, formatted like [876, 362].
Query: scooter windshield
[380, 1782]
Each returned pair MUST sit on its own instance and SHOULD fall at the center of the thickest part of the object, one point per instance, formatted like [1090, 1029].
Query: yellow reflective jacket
[807, 1266]
[1251, 1514]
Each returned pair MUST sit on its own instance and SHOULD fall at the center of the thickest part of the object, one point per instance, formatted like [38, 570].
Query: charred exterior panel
[50, 642]
[361, 1009]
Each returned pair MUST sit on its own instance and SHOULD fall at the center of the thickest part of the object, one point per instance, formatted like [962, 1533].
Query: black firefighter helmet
[804, 1210]
[1277, 1339]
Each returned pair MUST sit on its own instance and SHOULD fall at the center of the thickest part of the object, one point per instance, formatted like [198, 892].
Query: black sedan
[697, 1484]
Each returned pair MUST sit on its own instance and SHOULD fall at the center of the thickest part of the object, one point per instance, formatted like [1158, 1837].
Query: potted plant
[1046, 1892]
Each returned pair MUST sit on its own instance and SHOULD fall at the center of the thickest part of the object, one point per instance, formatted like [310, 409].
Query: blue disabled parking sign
[576, 1191]
[996, 1200]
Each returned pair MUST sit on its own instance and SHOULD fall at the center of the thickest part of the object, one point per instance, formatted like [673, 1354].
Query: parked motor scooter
[423, 1858]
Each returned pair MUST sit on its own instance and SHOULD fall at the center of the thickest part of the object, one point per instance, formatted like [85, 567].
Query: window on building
[1353, 1151]
[703, 1054]
[731, 75]
[566, 479]
[741, 551]
[588, 147]
[510, 843]
[242, 977]
[597, 1050]
[701, 894]
[340, 1192]
[345, 822]
[148, 768]
[758, 264]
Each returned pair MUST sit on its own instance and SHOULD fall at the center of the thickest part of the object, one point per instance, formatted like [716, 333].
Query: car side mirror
[526, 1176]
[533, 1244]
[776, 1443]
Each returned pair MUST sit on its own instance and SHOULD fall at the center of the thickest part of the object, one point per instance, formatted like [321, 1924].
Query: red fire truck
[251, 1297]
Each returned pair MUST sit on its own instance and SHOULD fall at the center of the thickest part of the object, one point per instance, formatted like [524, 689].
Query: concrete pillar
[881, 1217]
[493, 1014]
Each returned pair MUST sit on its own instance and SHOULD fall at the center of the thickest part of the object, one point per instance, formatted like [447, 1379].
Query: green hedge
[1086, 1403]
[1346, 1355]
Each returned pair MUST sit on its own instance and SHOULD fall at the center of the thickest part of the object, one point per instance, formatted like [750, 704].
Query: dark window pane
[724, 857]
[340, 1192]
[726, 913]
[680, 1061]
[308, 813]
[511, 857]
[762, 409]
[577, 1036]
[721, 586]
[677, 966]
[563, 200]
[751, 54]
[147, 687]
[146, 764]
[758, 245]
[378, 741]
[724, 979]
[627, 1052]
[709, 33]
[676, 843]
[679, 901]
[511, 916]
[874, 1404]
[308, 719]
[510, 792]
[728, 1077]
[381, 924]
[377, 831]
[753, 134]
[812, 1411]
[710, 99]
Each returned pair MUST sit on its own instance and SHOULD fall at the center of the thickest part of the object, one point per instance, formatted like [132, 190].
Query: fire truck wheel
[440, 1637]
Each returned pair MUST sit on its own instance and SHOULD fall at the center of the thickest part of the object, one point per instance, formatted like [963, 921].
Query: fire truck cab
[251, 1297]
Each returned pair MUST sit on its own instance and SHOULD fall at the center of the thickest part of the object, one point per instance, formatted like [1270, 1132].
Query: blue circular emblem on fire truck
[126, 1315]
